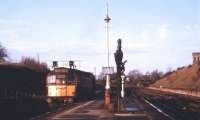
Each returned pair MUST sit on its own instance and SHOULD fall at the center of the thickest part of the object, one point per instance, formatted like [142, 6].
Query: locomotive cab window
[51, 79]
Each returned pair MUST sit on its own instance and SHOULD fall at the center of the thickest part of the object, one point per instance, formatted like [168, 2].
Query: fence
[177, 91]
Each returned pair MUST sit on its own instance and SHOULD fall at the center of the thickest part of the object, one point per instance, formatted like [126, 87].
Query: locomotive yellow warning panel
[57, 91]
[71, 90]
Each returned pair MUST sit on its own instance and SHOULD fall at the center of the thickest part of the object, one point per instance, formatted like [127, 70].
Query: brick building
[196, 57]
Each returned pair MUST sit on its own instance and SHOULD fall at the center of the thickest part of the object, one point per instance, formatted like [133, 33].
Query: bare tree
[34, 64]
[135, 75]
[148, 78]
[156, 75]
[3, 53]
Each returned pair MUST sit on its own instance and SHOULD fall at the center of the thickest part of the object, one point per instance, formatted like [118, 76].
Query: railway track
[173, 106]
[150, 106]
[163, 109]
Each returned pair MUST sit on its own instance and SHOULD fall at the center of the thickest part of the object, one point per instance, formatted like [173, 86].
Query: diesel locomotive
[69, 84]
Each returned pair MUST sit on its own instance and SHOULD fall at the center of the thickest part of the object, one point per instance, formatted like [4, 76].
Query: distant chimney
[55, 64]
[196, 57]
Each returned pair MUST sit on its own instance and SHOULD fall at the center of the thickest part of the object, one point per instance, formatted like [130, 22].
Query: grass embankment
[186, 78]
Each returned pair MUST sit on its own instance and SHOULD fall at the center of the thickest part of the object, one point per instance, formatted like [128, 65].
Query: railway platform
[135, 108]
[94, 110]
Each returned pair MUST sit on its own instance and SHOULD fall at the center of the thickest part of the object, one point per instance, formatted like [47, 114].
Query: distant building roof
[195, 53]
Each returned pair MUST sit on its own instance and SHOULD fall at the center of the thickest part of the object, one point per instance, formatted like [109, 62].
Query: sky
[156, 34]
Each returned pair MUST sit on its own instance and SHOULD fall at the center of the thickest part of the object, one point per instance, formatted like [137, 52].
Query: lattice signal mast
[107, 20]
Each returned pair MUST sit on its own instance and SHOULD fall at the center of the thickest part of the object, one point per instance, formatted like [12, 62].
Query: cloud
[11, 21]
[163, 32]
[147, 47]
[160, 45]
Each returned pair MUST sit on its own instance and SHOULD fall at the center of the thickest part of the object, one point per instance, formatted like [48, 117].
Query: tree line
[24, 78]
[26, 60]
[138, 78]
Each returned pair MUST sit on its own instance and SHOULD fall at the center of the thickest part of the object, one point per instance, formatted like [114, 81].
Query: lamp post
[107, 87]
